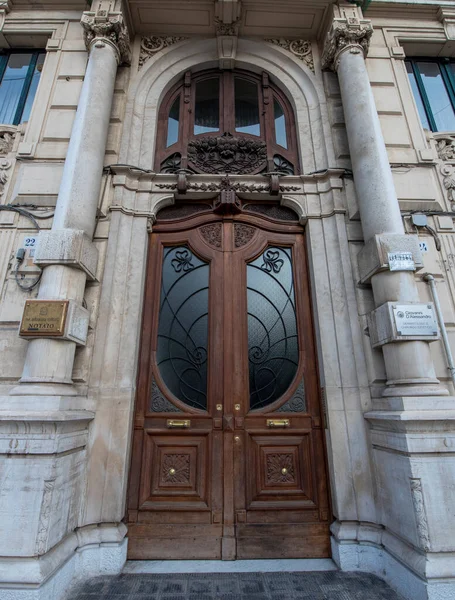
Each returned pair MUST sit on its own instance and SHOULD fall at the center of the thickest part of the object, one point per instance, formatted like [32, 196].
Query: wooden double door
[228, 458]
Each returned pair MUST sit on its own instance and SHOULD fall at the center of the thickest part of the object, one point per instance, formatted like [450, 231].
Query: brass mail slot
[278, 423]
[178, 424]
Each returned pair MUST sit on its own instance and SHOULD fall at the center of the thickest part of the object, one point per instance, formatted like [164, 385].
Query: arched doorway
[228, 458]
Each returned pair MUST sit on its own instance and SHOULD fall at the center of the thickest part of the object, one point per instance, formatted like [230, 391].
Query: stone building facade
[358, 459]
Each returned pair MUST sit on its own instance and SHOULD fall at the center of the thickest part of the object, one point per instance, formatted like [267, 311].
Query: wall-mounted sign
[401, 261]
[43, 318]
[415, 319]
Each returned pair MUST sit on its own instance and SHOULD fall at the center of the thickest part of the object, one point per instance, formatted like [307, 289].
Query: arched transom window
[231, 122]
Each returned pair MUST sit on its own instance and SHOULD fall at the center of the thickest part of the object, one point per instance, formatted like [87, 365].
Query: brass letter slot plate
[178, 423]
[44, 318]
[276, 423]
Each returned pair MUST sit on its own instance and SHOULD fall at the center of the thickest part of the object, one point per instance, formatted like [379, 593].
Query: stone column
[67, 253]
[409, 367]
[412, 429]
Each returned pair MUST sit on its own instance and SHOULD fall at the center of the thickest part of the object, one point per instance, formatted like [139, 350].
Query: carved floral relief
[153, 44]
[280, 468]
[175, 468]
[301, 49]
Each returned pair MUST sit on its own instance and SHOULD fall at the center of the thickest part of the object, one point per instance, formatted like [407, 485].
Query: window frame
[4, 58]
[448, 79]
[267, 94]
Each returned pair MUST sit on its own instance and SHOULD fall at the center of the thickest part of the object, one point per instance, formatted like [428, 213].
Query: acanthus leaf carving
[301, 49]
[349, 34]
[448, 172]
[280, 468]
[153, 44]
[227, 154]
[106, 27]
[445, 147]
[175, 468]
[7, 134]
[5, 165]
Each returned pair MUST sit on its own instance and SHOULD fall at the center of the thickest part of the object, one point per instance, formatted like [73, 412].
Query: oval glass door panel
[273, 349]
[183, 325]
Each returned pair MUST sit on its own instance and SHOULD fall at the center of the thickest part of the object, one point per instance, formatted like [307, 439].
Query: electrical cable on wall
[20, 255]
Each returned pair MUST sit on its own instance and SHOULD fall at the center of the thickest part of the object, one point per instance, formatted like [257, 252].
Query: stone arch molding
[296, 80]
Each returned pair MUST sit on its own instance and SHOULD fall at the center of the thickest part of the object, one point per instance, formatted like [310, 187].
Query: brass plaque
[44, 318]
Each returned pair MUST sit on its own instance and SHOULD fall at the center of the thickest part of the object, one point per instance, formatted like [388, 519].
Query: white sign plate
[415, 319]
[401, 261]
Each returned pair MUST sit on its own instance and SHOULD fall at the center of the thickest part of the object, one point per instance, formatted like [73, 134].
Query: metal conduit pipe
[428, 278]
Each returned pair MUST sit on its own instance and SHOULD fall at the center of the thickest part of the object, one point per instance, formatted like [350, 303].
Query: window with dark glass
[433, 86]
[207, 109]
[247, 107]
[19, 77]
[183, 325]
[273, 348]
[228, 122]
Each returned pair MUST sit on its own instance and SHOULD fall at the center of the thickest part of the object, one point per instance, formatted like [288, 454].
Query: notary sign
[44, 318]
[401, 261]
[415, 319]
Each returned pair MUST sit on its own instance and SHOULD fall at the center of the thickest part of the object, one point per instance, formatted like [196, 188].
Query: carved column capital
[349, 34]
[107, 28]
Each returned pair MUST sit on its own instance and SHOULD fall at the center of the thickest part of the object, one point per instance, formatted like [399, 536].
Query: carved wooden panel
[242, 234]
[280, 471]
[280, 468]
[158, 401]
[296, 402]
[212, 234]
[175, 470]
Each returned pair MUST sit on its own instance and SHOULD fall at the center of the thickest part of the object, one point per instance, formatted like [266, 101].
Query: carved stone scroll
[153, 44]
[301, 49]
